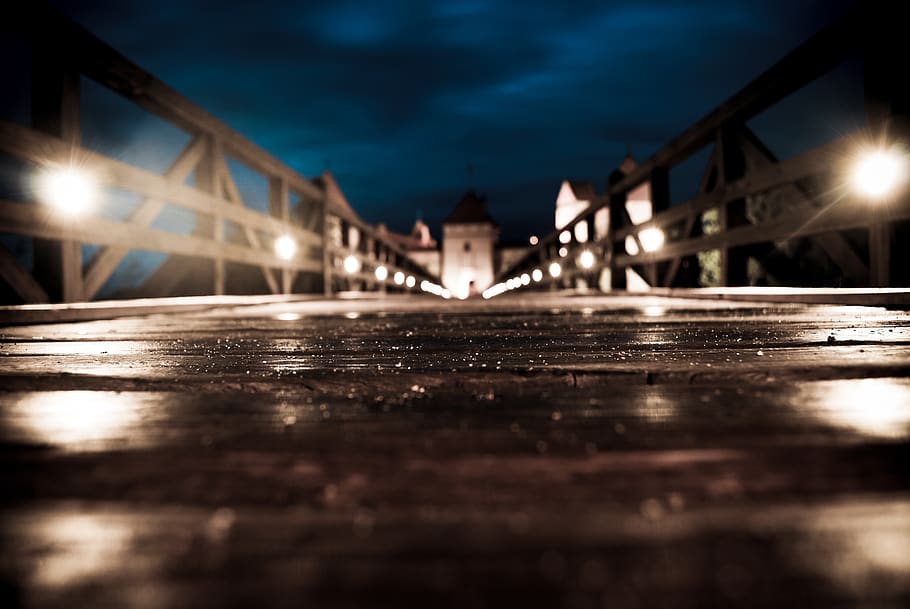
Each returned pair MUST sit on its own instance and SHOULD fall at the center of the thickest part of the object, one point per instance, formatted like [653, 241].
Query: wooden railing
[813, 199]
[62, 52]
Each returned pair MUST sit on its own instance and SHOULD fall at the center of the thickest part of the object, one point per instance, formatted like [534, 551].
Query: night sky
[399, 99]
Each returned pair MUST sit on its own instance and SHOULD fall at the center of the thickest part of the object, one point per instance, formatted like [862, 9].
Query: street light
[555, 269]
[537, 275]
[381, 273]
[878, 172]
[652, 239]
[398, 278]
[351, 264]
[69, 190]
[586, 259]
[410, 281]
[285, 247]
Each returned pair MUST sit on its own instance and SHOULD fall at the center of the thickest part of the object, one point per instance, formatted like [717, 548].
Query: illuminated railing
[858, 181]
[71, 178]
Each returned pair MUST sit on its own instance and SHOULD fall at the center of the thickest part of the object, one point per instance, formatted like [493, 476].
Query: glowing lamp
[877, 173]
[68, 190]
[410, 281]
[555, 269]
[537, 275]
[586, 259]
[398, 278]
[351, 264]
[285, 247]
[652, 239]
[381, 273]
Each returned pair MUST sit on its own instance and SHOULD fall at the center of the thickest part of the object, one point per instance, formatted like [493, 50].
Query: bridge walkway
[576, 451]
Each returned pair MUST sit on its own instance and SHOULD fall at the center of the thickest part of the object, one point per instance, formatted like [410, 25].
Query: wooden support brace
[19, 279]
[106, 260]
[759, 156]
[232, 194]
[707, 183]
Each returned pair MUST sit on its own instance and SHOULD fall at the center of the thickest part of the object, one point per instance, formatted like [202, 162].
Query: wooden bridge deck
[562, 452]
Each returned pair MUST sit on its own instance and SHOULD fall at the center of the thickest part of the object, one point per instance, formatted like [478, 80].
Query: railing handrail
[815, 57]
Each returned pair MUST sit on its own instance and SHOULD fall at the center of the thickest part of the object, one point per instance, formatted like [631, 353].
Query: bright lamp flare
[652, 239]
[878, 172]
[381, 273]
[285, 247]
[537, 275]
[565, 237]
[525, 279]
[69, 190]
[586, 259]
[555, 269]
[398, 278]
[351, 264]
[410, 281]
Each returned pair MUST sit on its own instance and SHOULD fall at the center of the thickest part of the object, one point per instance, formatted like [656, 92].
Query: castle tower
[469, 238]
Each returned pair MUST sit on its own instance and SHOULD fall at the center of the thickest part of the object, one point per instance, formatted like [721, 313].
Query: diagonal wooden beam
[106, 260]
[232, 194]
[20, 279]
[834, 244]
[703, 187]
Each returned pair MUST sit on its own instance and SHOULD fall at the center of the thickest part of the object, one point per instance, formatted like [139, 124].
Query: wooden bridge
[226, 232]
[299, 427]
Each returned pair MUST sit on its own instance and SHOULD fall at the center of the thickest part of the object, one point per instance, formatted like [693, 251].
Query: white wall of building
[428, 259]
[467, 256]
[567, 205]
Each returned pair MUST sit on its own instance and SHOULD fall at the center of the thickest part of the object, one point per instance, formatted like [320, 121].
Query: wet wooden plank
[560, 452]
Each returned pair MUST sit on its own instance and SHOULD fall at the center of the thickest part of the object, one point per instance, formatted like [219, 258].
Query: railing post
[207, 181]
[55, 111]
[617, 220]
[731, 167]
[326, 249]
[887, 101]
[660, 201]
[278, 208]
[880, 254]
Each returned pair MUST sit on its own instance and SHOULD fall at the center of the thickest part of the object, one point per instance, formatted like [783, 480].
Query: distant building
[469, 237]
[342, 210]
[574, 197]
[419, 244]
[508, 254]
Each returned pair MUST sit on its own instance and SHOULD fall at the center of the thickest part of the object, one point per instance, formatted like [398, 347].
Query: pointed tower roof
[584, 191]
[628, 165]
[338, 201]
[472, 209]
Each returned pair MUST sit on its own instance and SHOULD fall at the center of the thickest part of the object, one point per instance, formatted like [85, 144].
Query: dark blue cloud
[398, 97]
